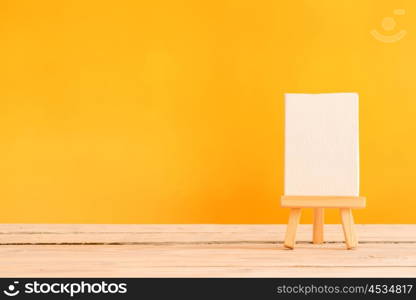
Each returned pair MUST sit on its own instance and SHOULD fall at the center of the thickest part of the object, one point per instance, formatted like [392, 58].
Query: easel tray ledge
[323, 201]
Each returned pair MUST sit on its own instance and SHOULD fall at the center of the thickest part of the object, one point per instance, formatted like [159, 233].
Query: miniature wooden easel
[318, 203]
[321, 161]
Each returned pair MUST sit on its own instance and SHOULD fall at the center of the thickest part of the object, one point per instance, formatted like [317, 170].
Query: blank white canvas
[321, 144]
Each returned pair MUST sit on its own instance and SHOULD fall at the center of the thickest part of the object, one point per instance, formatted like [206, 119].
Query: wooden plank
[270, 233]
[202, 250]
[378, 260]
[322, 201]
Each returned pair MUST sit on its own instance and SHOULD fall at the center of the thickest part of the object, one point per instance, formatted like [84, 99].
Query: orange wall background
[172, 111]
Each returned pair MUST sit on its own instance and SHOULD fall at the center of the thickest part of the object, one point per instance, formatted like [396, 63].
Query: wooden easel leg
[348, 227]
[354, 233]
[292, 225]
[318, 226]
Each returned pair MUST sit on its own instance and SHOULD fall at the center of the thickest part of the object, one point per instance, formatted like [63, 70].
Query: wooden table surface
[28, 250]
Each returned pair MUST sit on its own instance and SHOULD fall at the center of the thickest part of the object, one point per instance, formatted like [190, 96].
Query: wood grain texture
[292, 226]
[318, 225]
[348, 227]
[323, 201]
[202, 250]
